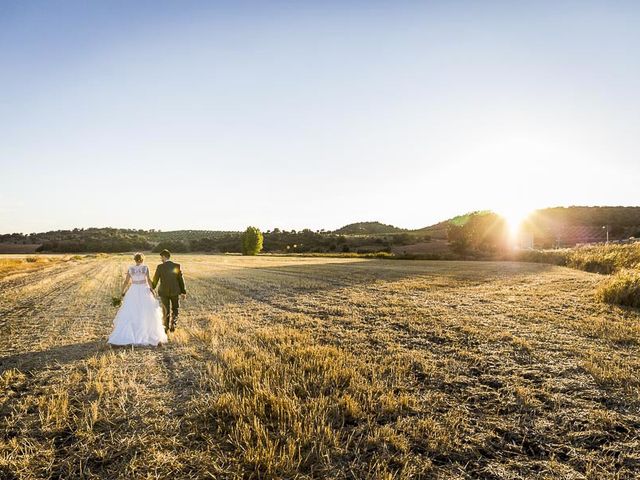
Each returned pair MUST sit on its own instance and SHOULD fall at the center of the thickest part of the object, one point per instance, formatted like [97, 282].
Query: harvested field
[322, 368]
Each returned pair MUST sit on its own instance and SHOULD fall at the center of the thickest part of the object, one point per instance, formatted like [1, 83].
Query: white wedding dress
[139, 319]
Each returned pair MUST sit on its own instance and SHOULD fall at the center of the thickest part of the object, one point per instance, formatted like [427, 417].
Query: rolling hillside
[550, 227]
[368, 228]
[564, 226]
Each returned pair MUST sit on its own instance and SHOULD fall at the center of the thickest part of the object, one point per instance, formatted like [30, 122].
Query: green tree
[483, 232]
[251, 241]
[459, 238]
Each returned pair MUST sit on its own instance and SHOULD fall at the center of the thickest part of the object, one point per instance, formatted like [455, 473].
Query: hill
[186, 235]
[562, 226]
[589, 216]
[440, 230]
[368, 228]
[568, 226]
[549, 227]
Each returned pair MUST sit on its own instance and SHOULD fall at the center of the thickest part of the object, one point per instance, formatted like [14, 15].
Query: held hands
[183, 296]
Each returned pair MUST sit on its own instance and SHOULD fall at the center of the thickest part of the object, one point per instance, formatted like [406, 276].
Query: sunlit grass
[622, 288]
[324, 368]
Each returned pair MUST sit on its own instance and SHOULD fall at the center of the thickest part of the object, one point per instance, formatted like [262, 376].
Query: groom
[171, 287]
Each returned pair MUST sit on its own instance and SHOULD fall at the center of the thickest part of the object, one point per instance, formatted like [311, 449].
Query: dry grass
[12, 264]
[322, 368]
[602, 258]
[605, 258]
[622, 288]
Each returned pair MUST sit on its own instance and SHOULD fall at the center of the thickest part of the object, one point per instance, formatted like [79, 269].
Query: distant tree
[251, 241]
[616, 230]
[403, 239]
[458, 238]
[176, 246]
[480, 232]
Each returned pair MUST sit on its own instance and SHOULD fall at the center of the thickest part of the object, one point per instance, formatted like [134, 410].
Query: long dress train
[139, 319]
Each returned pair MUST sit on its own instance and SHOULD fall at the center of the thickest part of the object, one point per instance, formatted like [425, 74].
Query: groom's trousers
[170, 306]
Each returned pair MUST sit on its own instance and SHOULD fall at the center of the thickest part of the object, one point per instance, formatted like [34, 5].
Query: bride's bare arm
[149, 282]
[125, 286]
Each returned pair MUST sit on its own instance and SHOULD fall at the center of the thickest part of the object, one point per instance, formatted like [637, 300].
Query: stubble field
[320, 368]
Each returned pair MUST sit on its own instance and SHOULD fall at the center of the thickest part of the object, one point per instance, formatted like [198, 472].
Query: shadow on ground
[59, 355]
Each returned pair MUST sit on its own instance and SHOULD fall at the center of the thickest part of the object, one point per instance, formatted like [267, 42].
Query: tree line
[477, 233]
[112, 240]
[304, 241]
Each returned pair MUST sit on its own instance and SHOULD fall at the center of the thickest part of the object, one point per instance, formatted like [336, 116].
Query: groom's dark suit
[171, 286]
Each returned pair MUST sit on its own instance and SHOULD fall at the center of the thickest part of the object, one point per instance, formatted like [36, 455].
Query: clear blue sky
[217, 115]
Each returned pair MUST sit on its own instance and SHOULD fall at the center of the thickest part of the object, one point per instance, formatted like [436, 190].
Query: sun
[515, 217]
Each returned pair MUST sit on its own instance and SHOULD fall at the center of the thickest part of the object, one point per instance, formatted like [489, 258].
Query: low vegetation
[552, 257]
[602, 258]
[605, 258]
[20, 263]
[622, 288]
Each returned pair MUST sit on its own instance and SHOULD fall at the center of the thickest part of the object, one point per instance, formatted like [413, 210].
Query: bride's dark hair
[138, 257]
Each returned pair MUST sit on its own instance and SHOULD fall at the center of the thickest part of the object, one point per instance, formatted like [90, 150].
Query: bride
[139, 319]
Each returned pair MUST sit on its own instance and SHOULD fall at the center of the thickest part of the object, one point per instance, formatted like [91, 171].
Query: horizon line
[317, 229]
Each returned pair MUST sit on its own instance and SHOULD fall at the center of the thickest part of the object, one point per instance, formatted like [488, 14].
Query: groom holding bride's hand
[171, 288]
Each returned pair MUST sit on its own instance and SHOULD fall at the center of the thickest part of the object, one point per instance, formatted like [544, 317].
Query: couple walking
[141, 319]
